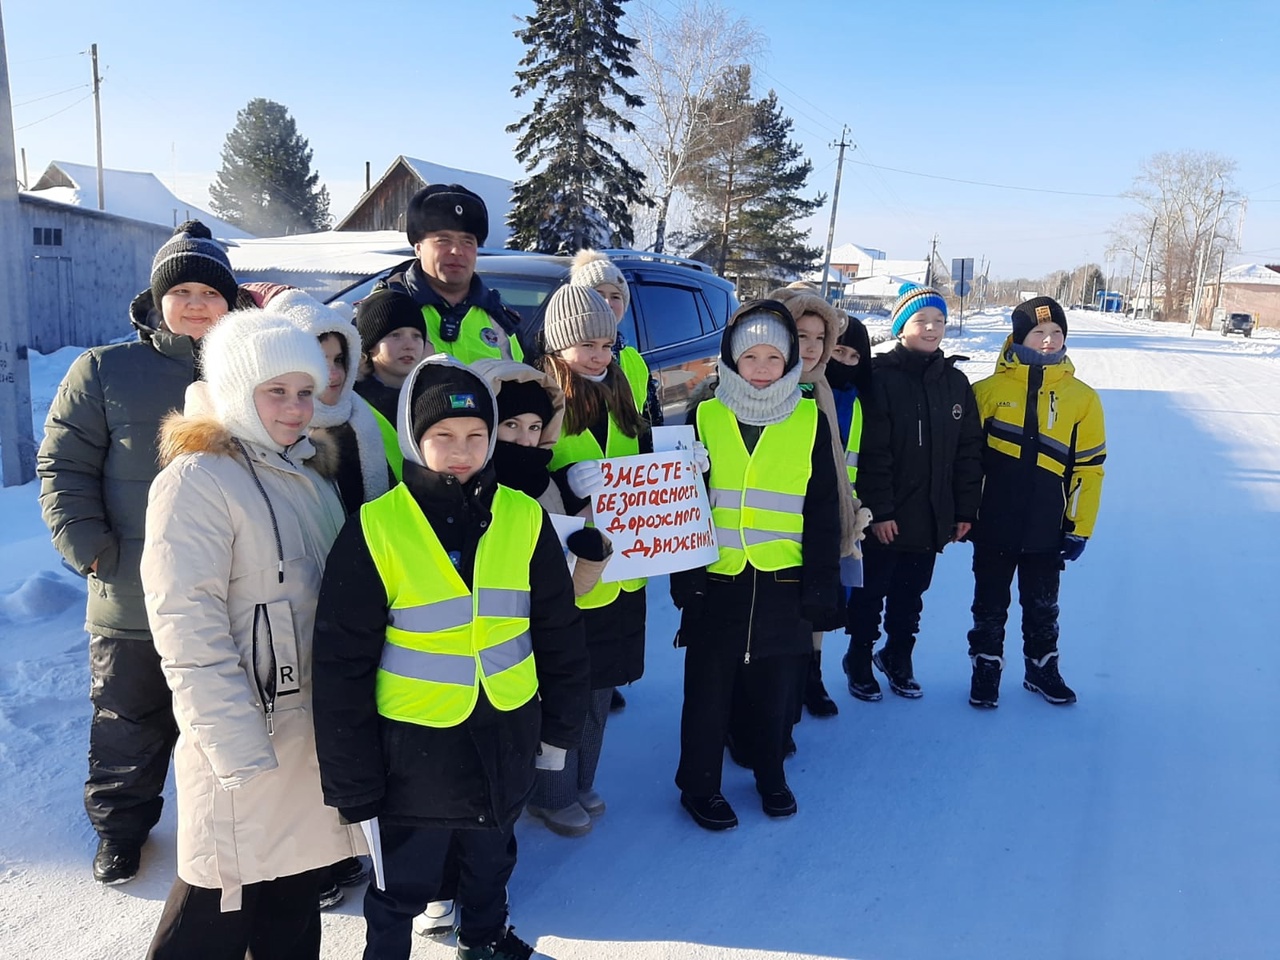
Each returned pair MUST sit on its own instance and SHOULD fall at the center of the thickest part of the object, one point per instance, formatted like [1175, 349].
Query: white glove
[701, 459]
[549, 757]
[585, 478]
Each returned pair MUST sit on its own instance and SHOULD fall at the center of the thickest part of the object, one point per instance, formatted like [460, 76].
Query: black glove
[359, 814]
[823, 619]
[589, 544]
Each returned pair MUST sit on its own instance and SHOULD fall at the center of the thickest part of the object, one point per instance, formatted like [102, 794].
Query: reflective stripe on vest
[443, 642]
[390, 443]
[852, 448]
[757, 498]
[574, 448]
[478, 328]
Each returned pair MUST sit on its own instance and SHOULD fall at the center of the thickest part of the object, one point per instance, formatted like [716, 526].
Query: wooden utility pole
[17, 445]
[835, 202]
[928, 270]
[97, 119]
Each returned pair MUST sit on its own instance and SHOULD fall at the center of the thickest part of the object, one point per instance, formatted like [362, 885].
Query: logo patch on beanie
[1043, 313]
[458, 209]
[462, 401]
[489, 336]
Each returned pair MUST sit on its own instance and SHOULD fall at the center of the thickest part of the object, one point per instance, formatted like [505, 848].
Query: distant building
[1249, 288]
[383, 205]
[129, 193]
[85, 265]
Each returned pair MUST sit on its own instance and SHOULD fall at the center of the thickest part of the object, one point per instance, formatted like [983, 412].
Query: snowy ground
[1139, 823]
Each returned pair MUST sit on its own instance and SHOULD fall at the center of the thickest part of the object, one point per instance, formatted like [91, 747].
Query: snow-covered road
[1139, 823]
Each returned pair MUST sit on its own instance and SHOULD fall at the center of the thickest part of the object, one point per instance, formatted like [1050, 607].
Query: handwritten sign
[655, 510]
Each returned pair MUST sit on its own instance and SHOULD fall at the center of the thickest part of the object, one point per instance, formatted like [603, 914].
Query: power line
[985, 183]
[50, 96]
[55, 113]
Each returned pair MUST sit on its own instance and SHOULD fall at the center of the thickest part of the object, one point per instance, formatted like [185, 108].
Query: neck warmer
[522, 468]
[841, 376]
[600, 379]
[759, 407]
[1035, 358]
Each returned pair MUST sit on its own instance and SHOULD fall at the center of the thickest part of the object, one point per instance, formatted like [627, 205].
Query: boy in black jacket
[920, 474]
[447, 646]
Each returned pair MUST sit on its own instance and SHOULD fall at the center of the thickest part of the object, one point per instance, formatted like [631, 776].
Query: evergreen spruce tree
[266, 185]
[746, 188]
[583, 188]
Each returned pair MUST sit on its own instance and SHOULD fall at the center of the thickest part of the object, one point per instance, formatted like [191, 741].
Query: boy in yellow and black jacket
[1045, 445]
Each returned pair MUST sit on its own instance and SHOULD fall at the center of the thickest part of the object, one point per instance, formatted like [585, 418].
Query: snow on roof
[494, 191]
[354, 252]
[1251, 273]
[130, 193]
[852, 253]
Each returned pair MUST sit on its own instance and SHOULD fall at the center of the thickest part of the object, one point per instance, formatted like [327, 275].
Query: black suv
[1238, 323]
[678, 310]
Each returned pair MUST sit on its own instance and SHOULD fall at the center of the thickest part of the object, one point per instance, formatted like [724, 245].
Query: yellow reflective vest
[576, 447]
[480, 337]
[757, 497]
[854, 446]
[444, 642]
[390, 442]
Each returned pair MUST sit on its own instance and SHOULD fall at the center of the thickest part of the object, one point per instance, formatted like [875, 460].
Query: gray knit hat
[759, 328]
[575, 314]
[592, 268]
[191, 255]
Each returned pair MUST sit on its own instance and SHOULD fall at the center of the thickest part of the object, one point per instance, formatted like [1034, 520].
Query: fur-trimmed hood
[498, 372]
[183, 433]
[800, 302]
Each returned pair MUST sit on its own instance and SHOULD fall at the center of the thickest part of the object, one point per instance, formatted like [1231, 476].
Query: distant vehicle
[1236, 323]
[678, 310]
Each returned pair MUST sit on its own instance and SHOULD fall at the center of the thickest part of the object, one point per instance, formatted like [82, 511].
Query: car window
[670, 314]
[721, 305]
[524, 295]
[627, 327]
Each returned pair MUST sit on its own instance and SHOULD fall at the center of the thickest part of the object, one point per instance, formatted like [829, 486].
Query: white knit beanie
[592, 268]
[575, 314]
[252, 347]
[759, 328]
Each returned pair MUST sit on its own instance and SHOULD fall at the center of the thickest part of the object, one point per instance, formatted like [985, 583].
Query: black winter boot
[896, 666]
[510, 947]
[857, 667]
[116, 861]
[816, 699]
[1043, 678]
[984, 688]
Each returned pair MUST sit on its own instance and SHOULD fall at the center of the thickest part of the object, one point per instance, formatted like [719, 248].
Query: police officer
[447, 224]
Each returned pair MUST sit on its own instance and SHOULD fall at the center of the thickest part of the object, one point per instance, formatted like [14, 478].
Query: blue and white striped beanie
[913, 297]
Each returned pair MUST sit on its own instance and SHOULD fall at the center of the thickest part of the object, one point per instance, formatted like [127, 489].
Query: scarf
[759, 407]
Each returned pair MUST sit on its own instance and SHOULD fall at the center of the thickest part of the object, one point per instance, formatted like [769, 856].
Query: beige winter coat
[586, 573]
[249, 801]
[854, 518]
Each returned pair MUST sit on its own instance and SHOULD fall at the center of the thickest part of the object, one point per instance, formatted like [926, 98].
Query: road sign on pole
[961, 276]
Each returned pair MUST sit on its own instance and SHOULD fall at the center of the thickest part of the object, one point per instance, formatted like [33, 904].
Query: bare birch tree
[681, 61]
[1187, 195]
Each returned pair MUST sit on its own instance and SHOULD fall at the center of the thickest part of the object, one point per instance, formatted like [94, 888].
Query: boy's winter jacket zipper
[1053, 409]
[751, 617]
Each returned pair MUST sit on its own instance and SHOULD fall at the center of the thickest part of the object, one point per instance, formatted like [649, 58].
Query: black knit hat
[446, 206]
[383, 311]
[1031, 313]
[191, 255]
[516, 397]
[443, 390]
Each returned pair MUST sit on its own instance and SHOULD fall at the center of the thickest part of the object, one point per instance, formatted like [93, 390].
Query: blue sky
[1061, 96]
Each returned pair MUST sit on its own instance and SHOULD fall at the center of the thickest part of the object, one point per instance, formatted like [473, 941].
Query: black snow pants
[893, 581]
[1038, 576]
[416, 861]
[131, 738]
[277, 920]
